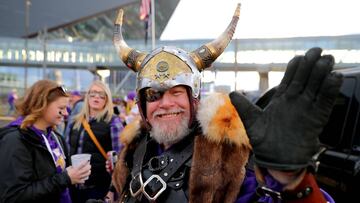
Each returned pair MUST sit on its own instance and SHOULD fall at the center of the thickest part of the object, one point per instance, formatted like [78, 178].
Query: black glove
[284, 135]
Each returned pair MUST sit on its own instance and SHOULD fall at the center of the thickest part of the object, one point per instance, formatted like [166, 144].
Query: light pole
[27, 8]
[44, 41]
[153, 24]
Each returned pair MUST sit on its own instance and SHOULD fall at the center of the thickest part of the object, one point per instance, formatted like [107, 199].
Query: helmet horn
[207, 54]
[131, 57]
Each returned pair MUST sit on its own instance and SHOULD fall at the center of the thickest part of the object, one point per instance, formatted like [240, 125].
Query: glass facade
[14, 78]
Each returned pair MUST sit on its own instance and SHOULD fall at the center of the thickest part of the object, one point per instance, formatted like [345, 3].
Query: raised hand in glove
[284, 135]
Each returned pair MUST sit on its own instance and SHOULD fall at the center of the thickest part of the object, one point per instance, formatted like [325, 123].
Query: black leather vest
[177, 189]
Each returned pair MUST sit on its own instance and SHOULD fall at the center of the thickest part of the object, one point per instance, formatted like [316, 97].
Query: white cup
[78, 159]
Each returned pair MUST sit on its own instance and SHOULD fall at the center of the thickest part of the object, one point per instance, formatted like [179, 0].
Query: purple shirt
[116, 127]
[248, 190]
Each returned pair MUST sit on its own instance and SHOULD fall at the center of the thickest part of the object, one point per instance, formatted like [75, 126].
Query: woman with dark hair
[33, 154]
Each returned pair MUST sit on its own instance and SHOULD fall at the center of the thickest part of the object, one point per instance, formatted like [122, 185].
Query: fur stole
[219, 157]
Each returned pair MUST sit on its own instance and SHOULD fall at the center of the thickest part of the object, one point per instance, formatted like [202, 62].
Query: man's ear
[195, 103]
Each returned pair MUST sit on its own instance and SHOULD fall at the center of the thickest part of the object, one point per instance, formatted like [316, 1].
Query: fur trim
[217, 171]
[220, 121]
[131, 131]
[218, 118]
[121, 171]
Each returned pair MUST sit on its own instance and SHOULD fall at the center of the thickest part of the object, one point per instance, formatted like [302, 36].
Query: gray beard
[170, 133]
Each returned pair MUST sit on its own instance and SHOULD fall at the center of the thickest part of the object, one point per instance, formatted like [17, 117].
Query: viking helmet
[167, 67]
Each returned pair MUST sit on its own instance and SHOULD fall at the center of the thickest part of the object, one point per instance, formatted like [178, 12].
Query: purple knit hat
[131, 95]
[76, 93]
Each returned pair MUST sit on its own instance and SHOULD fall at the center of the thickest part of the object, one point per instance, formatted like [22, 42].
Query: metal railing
[240, 54]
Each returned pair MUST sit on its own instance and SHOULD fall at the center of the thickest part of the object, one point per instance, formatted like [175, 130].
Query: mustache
[170, 111]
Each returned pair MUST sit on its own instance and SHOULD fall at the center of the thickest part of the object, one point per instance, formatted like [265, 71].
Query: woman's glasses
[94, 93]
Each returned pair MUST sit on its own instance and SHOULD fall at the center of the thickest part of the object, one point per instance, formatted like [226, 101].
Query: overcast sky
[207, 19]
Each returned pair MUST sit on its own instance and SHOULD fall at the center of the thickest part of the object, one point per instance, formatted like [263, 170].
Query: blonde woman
[32, 154]
[97, 111]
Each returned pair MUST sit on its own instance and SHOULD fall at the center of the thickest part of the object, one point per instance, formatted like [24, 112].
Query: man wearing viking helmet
[190, 150]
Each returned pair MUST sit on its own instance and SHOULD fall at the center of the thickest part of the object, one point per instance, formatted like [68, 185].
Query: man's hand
[284, 135]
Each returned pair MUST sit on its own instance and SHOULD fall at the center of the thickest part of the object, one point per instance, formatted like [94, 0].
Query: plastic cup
[77, 159]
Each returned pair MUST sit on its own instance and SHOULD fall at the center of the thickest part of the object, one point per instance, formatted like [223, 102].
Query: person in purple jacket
[12, 97]
[187, 149]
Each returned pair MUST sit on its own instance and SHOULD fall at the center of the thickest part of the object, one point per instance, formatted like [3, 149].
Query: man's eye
[152, 95]
[178, 92]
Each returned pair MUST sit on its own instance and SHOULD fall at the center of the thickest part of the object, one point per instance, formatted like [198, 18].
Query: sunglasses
[60, 88]
[63, 89]
[94, 93]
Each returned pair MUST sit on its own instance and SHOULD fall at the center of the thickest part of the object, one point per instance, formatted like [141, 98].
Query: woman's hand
[109, 198]
[79, 174]
[108, 166]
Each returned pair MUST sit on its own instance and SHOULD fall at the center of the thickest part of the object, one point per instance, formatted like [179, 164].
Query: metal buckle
[265, 191]
[158, 193]
[140, 181]
[314, 162]
[158, 163]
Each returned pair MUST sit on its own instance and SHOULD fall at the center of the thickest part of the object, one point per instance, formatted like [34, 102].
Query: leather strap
[93, 138]
[178, 159]
[136, 175]
[138, 157]
[177, 156]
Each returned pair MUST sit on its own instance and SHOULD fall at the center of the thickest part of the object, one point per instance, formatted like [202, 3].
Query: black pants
[82, 194]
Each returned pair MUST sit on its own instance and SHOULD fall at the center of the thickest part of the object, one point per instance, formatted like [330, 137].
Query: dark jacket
[28, 172]
[102, 132]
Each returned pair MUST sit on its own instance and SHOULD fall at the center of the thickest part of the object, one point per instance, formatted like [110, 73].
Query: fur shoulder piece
[130, 132]
[220, 121]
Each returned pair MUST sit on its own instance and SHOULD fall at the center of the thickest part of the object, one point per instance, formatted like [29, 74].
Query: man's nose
[166, 100]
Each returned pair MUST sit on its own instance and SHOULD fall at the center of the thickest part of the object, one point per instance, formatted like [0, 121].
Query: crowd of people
[51, 118]
[173, 146]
